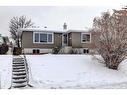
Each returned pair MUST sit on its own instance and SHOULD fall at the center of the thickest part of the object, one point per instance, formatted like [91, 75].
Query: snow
[66, 71]
[5, 70]
[42, 30]
[74, 71]
[81, 31]
[52, 30]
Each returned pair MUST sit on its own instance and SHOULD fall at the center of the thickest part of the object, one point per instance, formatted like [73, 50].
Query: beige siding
[75, 40]
[27, 41]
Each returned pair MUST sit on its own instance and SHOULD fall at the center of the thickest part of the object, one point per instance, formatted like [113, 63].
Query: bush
[56, 50]
[76, 51]
[3, 49]
[17, 51]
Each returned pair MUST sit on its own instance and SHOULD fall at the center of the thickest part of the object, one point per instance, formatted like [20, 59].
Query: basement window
[36, 51]
[86, 51]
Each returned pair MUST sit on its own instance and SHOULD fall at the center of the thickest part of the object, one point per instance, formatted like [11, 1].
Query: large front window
[43, 38]
[85, 38]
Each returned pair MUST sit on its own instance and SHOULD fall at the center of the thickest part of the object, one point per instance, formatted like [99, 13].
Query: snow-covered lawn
[74, 71]
[5, 70]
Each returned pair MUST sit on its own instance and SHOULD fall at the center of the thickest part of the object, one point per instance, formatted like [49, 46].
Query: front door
[64, 40]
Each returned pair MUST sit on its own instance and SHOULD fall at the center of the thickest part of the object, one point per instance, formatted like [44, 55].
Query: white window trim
[82, 37]
[39, 38]
[34, 37]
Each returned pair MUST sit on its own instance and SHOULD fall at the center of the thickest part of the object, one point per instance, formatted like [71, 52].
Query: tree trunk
[18, 43]
[112, 63]
[114, 67]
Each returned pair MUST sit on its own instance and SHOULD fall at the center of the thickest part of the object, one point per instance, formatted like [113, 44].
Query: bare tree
[15, 24]
[112, 40]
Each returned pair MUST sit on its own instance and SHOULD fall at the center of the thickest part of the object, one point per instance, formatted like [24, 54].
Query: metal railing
[27, 68]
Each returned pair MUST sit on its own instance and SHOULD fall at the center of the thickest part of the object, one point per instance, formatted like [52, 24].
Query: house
[35, 40]
[4, 41]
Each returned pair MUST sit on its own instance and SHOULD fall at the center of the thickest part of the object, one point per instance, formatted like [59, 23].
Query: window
[86, 51]
[43, 37]
[46, 38]
[49, 37]
[36, 37]
[36, 51]
[85, 38]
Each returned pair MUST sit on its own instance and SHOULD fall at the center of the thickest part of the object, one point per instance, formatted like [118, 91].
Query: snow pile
[74, 71]
[5, 70]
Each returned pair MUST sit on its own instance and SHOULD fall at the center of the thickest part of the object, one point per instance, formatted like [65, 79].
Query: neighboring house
[3, 44]
[4, 40]
[36, 40]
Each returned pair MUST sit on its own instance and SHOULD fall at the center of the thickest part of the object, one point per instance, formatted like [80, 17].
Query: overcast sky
[78, 17]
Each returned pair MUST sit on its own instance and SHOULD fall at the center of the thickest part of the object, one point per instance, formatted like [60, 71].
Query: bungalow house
[35, 40]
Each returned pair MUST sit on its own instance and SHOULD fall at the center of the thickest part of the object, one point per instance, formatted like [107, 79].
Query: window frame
[39, 38]
[34, 38]
[82, 38]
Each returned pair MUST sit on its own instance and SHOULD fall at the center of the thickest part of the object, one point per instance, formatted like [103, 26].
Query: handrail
[27, 68]
[11, 76]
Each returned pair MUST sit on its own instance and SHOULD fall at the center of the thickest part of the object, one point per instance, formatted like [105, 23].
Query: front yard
[5, 70]
[66, 71]
[74, 71]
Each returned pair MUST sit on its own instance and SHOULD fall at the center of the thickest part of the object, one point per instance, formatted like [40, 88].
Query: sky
[76, 17]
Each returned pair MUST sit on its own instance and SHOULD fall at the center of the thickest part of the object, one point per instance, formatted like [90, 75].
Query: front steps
[65, 50]
[19, 74]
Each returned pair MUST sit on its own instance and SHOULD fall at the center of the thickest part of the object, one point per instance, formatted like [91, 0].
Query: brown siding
[76, 40]
[27, 41]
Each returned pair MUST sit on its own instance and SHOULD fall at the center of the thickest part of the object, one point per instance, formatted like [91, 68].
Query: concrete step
[24, 83]
[19, 81]
[16, 65]
[19, 70]
[19, 67]
[19, 77]
[15, 76]
[18, 62]
[17, 58]
[19, 86]
[18, 74]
